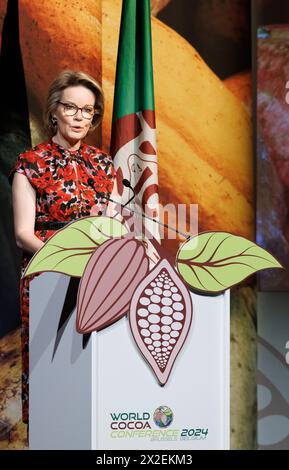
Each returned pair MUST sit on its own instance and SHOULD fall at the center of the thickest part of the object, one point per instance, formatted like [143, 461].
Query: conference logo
[163, 416]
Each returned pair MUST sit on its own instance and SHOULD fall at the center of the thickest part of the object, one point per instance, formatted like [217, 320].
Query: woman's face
[74, 128]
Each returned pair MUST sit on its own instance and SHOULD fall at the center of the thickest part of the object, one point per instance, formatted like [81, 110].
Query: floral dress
[68, 184]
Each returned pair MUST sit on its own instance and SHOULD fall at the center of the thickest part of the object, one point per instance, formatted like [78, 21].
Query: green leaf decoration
[70, 248]
[215, 261]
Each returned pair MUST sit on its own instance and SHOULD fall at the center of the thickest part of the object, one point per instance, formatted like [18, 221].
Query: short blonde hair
[64, 80]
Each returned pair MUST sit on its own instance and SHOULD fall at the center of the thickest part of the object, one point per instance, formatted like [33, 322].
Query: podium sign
[103, 395]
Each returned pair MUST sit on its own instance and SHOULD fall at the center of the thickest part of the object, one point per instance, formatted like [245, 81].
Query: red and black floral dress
[68, 185]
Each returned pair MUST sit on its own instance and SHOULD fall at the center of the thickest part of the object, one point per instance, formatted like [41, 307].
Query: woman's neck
[60, 140]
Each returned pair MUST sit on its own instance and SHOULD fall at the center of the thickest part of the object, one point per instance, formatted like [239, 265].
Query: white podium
[104, 395]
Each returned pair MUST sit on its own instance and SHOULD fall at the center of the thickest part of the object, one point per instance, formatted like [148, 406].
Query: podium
[103, 395]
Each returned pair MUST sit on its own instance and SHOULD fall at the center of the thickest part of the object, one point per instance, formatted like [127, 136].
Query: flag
[133, 138]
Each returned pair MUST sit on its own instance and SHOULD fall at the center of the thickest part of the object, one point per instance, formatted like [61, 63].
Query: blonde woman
[59, 180]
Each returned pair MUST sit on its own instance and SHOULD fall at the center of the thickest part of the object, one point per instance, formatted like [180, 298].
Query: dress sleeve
[25, 165]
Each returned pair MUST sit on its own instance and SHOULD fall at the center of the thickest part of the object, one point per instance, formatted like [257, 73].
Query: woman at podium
[58, 180]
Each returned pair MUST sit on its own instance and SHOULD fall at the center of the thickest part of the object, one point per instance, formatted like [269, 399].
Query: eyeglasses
[71, 109]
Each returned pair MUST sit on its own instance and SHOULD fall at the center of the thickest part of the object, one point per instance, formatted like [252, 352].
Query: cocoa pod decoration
[160, 317]
[110, 277]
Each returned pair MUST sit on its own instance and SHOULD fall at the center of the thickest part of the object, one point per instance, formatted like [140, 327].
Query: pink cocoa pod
[111, 275]
[160, 317]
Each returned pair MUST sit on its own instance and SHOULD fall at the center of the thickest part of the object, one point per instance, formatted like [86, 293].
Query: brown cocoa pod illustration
[108, 282]
[160, 317]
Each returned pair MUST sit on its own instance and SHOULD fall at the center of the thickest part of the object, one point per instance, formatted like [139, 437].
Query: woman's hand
[24, 205]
